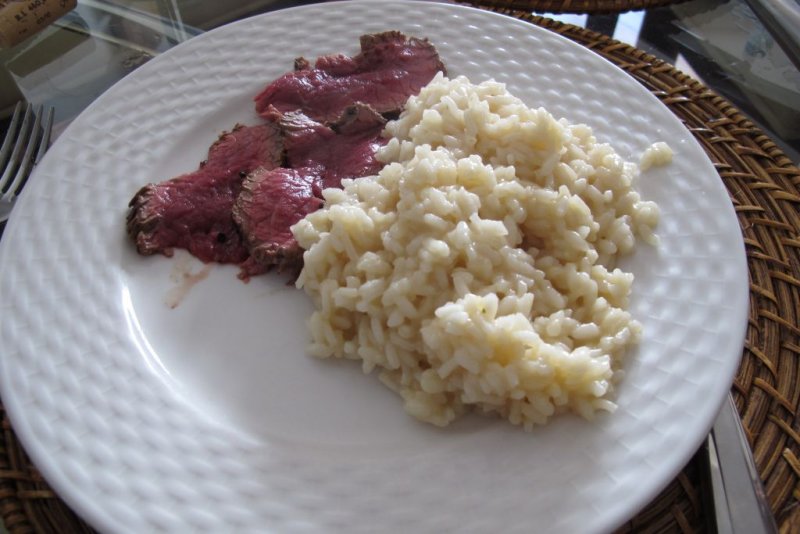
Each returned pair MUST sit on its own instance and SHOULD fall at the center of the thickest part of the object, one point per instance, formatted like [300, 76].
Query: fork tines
[23, 147]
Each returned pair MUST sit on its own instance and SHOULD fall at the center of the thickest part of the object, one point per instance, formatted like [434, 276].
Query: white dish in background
[210, 416]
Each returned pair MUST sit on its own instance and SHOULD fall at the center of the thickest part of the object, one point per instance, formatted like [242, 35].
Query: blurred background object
[19, 21]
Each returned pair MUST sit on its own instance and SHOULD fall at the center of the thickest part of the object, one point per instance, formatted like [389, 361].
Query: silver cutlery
[23, 147]
[740, 504]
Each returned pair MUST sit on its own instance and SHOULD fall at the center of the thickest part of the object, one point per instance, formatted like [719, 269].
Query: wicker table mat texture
[764, 186]
[589, 7]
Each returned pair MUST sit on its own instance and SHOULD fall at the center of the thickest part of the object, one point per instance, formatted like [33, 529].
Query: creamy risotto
[477, 269]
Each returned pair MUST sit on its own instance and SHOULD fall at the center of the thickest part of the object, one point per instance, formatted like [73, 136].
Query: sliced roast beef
[323, 124]
[193, 211]
[319, 156]
[389, 69]
[345, 149]
[270, 202]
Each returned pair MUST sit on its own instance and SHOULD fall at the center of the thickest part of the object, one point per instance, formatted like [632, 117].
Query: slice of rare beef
[318, 156]
[193, 211]
[345, 149]
[389, 69]
[270, 202]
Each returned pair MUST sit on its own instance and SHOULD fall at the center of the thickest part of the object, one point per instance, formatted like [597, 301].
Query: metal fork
[740, 504]
[22, 148]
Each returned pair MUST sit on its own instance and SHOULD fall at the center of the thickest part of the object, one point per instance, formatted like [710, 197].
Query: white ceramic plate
[211, 417]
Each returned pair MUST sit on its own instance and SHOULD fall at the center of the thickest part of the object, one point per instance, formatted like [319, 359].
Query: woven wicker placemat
[764, 187]
[590, 7]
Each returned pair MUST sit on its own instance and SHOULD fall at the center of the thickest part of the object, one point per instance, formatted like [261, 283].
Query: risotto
[477, 271]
